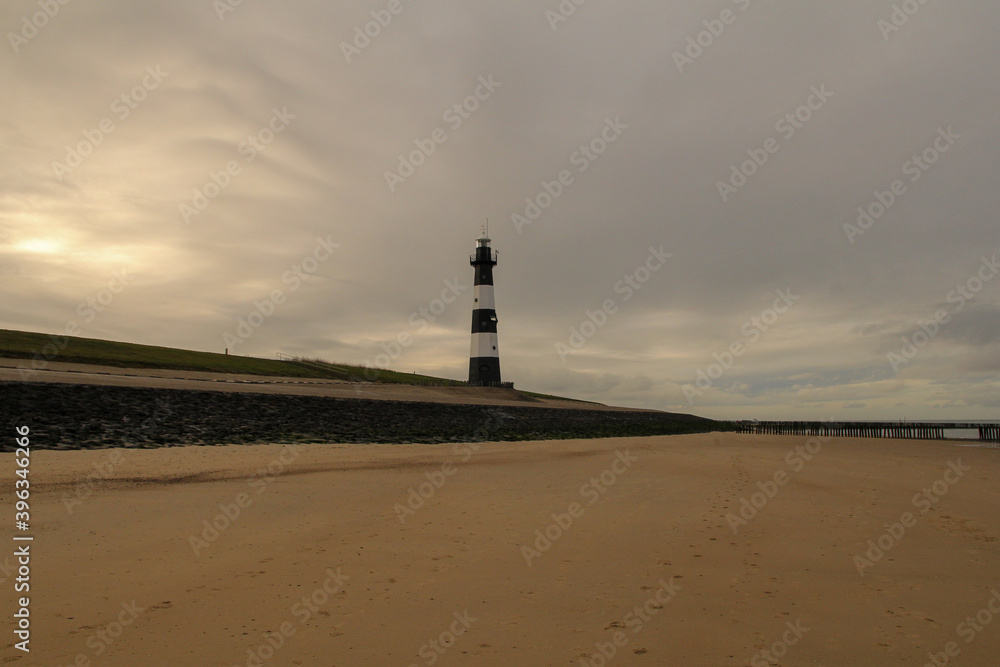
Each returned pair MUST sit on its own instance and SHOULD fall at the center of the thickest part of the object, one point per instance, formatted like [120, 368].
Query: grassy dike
[42, 348]
[64, 416]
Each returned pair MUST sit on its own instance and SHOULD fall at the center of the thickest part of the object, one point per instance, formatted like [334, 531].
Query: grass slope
[72, 349]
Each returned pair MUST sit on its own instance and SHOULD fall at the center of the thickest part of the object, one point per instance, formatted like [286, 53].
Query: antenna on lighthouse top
[484, 240]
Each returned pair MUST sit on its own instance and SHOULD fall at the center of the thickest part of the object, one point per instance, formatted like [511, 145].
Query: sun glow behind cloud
[38, 246]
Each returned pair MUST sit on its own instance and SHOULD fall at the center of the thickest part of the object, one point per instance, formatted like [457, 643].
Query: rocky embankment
[63, 416]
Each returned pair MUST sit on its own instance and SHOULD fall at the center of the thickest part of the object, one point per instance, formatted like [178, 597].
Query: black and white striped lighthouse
[484, 358]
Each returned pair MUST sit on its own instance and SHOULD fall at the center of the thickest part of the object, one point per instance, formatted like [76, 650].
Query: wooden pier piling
[988, 431]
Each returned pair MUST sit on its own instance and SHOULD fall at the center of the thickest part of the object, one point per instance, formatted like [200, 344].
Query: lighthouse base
[484, 371]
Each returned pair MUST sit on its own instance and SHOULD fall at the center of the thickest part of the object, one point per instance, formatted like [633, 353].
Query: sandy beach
[579, 552]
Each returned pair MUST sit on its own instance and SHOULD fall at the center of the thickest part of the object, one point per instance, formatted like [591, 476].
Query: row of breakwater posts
[988, 431]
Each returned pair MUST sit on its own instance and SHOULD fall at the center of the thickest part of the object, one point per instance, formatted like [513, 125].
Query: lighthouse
[484, 358]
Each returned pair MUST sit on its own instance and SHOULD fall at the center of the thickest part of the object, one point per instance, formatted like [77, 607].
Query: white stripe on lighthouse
[483, 297]
[484, 345]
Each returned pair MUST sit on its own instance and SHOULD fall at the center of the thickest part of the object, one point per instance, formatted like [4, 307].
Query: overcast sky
[201, 150]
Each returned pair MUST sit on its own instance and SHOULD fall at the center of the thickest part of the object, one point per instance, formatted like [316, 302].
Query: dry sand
[661, 518]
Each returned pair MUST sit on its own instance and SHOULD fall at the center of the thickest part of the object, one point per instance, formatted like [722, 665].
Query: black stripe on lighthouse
[484, 357]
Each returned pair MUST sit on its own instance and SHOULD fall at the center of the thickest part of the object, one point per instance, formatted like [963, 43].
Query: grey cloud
[657, 184]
